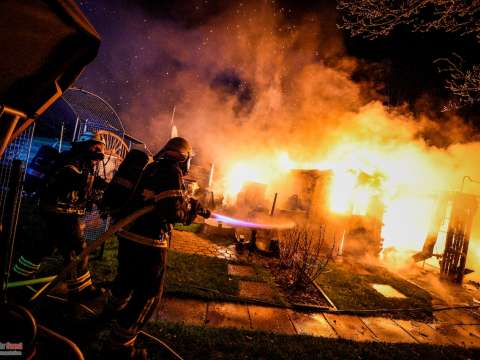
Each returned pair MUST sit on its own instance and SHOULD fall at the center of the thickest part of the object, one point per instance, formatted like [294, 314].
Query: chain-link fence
[95, 114]
[76, 112]
[12, 174]
[18, 151]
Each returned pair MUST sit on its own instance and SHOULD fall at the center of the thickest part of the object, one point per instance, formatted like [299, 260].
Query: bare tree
[304, 254]
[377, 18]
[462, 81]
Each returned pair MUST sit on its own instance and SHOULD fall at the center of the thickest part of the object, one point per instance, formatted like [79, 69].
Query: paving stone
[463, 335]
[386, 330]
[443, 317]
[350, 327]
[255, 290]
[228, 315]
[424, 333]
[388, 291]
[475, 312]
[271, 319]
[312, 324]
[187, 311]
[474, 332]
[457, 316]
[240, 270]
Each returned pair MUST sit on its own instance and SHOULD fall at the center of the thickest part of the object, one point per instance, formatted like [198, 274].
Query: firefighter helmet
[91, 137]
[176, 148]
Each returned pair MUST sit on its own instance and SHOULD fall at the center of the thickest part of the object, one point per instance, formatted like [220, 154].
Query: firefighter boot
[121, 345]
[24, 269]
[114, 304]
[81, 289]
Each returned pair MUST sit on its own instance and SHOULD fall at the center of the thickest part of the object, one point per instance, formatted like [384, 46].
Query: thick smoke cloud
[246, 85]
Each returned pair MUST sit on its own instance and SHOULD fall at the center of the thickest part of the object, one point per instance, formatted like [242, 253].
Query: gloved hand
[196, 209]
[205, 213]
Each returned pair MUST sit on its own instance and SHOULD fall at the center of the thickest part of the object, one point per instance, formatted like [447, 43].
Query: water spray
[248, 224]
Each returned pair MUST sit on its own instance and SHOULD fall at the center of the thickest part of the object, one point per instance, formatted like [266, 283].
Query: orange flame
[361, 171]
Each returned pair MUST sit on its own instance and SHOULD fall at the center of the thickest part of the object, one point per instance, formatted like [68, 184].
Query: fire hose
[97, 242]
[112, 230]
[92, 246]
[62, 339]
[15, 284]
[142, 332]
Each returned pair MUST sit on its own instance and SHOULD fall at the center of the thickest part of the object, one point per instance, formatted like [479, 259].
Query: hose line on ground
[96, 243]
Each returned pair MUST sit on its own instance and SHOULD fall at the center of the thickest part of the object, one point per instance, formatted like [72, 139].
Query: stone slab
[228, 315]
[187, 311]
[474, 312]
[386, 330]
[388, 291]
[192, 243]
[424, 333]
[240, 270]
[255, 290]
[350, 327]
[312, 324]
[271, 319]
[462, 335]
[473, 334]
[457, 316]
[443, 318]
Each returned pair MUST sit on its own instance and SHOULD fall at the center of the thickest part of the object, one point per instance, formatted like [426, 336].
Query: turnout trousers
[137, 289]
[47, 232]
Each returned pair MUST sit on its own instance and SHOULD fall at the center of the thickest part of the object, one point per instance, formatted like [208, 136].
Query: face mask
[95, 155]
[185, 166]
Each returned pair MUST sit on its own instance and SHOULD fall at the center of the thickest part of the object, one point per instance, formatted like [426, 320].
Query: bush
[303, 253]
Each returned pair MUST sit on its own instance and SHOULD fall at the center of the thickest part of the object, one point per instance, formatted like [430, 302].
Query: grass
[194, 227]
[207, 278]
[194, 342]
[352, 291]
[189, 275]
[105, 269]
[199, 276]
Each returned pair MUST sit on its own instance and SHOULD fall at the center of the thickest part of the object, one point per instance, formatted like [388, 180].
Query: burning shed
[355, 232]
[307, 191]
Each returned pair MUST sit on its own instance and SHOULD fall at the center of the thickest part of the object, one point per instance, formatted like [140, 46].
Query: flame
[361, 172]
[260, 169]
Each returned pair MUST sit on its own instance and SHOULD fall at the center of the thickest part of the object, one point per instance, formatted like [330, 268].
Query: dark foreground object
[193, 342]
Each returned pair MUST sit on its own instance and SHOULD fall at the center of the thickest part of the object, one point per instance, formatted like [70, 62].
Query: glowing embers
[388, 291]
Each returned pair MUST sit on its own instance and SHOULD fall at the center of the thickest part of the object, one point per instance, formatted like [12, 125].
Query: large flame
[361, 171]
[281, 97]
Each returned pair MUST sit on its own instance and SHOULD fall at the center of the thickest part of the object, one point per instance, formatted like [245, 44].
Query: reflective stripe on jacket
[158, 243]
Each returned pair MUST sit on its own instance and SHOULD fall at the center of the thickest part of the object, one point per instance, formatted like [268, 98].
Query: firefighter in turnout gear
[143, 245]
[66, 192]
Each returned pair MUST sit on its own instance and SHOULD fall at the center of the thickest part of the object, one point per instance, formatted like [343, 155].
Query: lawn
[193, 227]
[193, 342]
[352, 290]
[190, 275]
[104, 270]
[198, 275]
[207, 278]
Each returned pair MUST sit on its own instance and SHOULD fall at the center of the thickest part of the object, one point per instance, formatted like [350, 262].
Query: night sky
[130, 63]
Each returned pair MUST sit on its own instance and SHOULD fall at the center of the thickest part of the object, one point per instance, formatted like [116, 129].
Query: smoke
[248, 85]
[244, 74]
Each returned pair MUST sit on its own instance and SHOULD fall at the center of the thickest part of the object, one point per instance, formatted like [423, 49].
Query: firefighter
[143, 245]
[67, 191]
